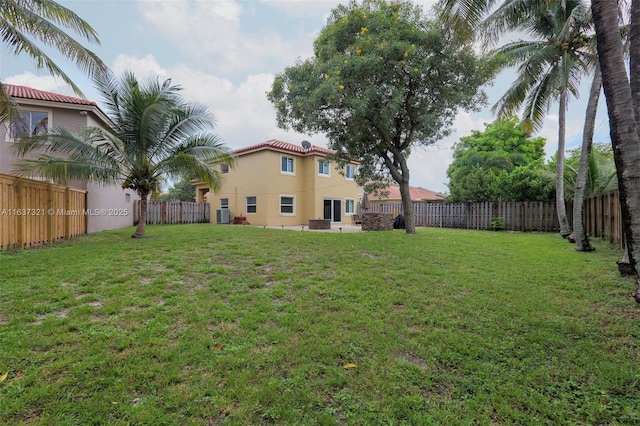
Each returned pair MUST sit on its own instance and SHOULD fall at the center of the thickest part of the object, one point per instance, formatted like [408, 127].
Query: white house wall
[110, 207]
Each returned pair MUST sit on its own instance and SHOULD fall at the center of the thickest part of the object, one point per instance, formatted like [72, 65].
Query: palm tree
[623, 125]
[549, 69]
[26, 23]
[586, 159]
[465, 15]
[155, 134]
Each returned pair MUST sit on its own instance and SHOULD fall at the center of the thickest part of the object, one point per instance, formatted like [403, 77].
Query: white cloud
[303, 8]
[143, 68]
[211, 35]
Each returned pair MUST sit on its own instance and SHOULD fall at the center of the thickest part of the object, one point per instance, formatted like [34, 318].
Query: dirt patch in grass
[413, 359]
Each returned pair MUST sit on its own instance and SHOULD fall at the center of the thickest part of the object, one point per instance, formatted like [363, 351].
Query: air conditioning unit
[223, 216]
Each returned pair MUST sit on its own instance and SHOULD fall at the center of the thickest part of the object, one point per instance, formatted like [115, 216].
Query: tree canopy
[383, 80]
[183, 190]
[503, 162]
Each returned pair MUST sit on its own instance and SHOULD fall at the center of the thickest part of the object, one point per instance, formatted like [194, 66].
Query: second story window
[286, 165]
[323, 167]
[34, 123]
[224, 168]
[224, 203]
[350, 171]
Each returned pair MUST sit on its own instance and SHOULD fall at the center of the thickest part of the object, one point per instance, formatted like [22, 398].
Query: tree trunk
[622, 122]
[624, 265]
[142, 222]
[634, 56]
[409, 221]
[581, 238]
[561, 208]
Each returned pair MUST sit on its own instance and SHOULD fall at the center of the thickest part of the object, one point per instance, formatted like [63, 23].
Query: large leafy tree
[549, 68]
[155, 134]
[28, 26]
[503, 162]
[182, 190]
[383, 80]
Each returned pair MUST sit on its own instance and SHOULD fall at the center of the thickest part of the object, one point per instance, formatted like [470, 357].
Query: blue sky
[225, 55]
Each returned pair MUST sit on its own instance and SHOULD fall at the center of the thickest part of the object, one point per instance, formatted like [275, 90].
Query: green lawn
[211, 324]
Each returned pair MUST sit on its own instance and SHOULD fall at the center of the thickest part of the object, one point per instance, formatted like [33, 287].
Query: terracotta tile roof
[24, 92]
[417, 194]
[283, 146]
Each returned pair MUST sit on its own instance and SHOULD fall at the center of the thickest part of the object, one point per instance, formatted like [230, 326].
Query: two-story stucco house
[46, 110]
[277, 183]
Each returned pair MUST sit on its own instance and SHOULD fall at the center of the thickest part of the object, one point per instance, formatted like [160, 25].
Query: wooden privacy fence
[172, 212]
[603, 217]
[516, 216]
[33, 213]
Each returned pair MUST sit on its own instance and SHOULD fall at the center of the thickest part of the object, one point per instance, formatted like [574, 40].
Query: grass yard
[214, 324]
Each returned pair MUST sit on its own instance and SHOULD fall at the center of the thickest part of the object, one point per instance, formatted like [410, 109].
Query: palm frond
[465, 16]
[9, 109]
[63, 170]
[21, 18]
[60, 15]
[189, 120]
[184, 164]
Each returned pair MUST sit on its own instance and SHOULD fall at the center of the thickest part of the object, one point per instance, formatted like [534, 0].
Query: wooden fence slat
[32, 212]
[172, 212]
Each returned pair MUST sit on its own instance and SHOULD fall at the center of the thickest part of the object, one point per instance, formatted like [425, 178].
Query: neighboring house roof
[283, 146]
[40, 95]
[42, 98]
[417, 194]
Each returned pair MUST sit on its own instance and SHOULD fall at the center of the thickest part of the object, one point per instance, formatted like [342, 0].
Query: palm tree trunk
[561, 208]
[142, 223]
[622, 123]
[634, 56]
[581, 238]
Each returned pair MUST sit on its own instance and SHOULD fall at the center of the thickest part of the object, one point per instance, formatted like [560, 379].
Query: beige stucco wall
[259, 174]
[108, 206]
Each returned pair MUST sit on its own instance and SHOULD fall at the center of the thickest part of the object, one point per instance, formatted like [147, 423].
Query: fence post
[50, 217]
[20, 221]
[67, 216]
[84, 216]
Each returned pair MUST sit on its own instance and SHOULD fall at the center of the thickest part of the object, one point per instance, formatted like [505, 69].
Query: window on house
[224, 203]
[286, 165]
[34, 123]
[349, 206]
[287, 205]
[350, 171]
[252, 206]
[127, 198]
[323, 167]
[224, 168]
